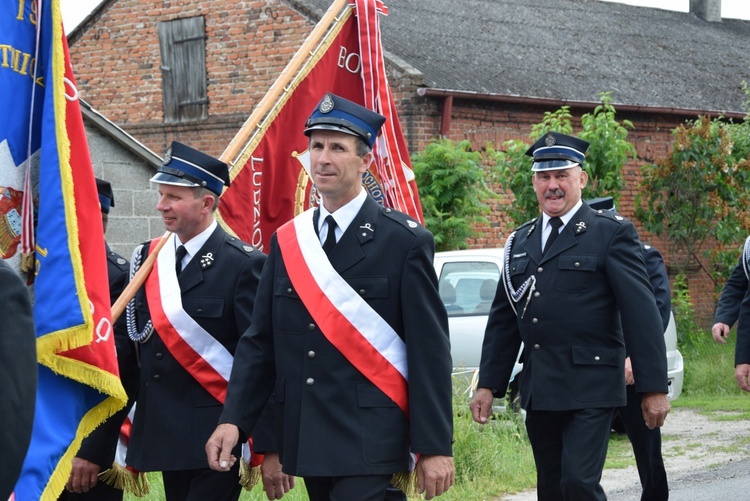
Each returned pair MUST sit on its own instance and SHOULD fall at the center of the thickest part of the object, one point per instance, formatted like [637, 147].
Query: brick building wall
[117, 62]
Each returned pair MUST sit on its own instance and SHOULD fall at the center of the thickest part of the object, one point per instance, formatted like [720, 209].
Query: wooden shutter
[183, 69]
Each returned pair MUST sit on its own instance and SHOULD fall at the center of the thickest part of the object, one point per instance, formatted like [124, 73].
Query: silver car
[468, 280]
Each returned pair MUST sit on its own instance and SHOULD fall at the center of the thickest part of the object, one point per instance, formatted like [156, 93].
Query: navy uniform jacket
[332, 420]
[734, 305]
[174, 414]
[659, 280]
[99, 447]
[728, 310]
[575, 343]
[18, 376]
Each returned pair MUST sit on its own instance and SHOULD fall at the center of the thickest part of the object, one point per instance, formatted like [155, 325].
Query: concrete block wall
[134, 218]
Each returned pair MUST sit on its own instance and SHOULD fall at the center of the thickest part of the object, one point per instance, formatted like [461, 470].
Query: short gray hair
[200, 191]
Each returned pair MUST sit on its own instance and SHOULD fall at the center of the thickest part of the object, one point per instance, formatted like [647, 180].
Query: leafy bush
[453, 190]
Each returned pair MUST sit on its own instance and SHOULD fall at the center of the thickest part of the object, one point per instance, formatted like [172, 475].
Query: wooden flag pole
[137, 280]
[240, 139]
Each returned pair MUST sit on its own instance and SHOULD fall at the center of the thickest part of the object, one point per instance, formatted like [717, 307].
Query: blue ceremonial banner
[51, 233]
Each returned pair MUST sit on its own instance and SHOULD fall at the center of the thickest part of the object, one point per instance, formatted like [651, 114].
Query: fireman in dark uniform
[570, 277]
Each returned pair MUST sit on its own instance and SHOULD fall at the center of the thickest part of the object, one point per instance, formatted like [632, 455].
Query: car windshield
[468, 287]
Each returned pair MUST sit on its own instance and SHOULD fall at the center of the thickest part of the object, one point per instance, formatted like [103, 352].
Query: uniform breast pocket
[203, 306]
[574, 273]
[288, 312]
[518, 267]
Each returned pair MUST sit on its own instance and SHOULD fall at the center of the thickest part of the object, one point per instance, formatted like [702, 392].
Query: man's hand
[629, 379]
[720, 332]
[742, 375]
[481, 405]
[219, 447]
[83, 476]
[655, 407]
[435, 475]
[275, 482]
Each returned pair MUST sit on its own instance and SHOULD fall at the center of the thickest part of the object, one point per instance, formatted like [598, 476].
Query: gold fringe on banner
[27, 262]
[249, 477]
[126, 480]
[407, 482]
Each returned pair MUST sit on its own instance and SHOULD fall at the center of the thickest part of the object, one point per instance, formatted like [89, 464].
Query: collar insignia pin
[580, 227]
[207, 260]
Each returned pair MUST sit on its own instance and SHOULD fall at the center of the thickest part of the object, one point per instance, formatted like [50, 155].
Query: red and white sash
[205, 358]
[346, 320]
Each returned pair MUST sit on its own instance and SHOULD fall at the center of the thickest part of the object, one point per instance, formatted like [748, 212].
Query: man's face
[335, 167]
[183, 214]
[559, 190]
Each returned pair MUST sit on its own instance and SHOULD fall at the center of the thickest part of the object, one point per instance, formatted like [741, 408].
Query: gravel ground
[691, 442]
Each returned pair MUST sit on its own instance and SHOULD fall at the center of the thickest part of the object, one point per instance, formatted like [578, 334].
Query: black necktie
[178, 256]
[330, 242]
[555, 222]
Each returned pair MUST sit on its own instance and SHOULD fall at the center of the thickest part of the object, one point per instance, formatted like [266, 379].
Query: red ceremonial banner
[270, 178]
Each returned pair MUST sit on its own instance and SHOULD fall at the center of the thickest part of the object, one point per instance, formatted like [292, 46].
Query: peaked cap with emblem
[106, 195]
[336, 113]
[555, 151]
[602, 203]
[185, 166]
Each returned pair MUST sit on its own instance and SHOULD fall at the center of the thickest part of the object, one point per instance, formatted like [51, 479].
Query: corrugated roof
[571, 50]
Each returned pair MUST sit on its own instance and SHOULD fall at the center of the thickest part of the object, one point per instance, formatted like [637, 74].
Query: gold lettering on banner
[22, 10]
[18, 61]
[256, 167]
[349, 61]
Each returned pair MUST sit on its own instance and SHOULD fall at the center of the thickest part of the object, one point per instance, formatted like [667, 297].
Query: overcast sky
[74, 11]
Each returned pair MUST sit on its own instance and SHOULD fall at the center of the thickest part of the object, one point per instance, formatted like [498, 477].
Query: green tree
[609, 150]
[453, 189]
[699, 191]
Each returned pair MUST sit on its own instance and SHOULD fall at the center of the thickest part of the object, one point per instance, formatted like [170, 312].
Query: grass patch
[619, 452]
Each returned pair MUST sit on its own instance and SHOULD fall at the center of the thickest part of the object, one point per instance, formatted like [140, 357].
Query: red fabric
[271, 185]
[101, 352]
